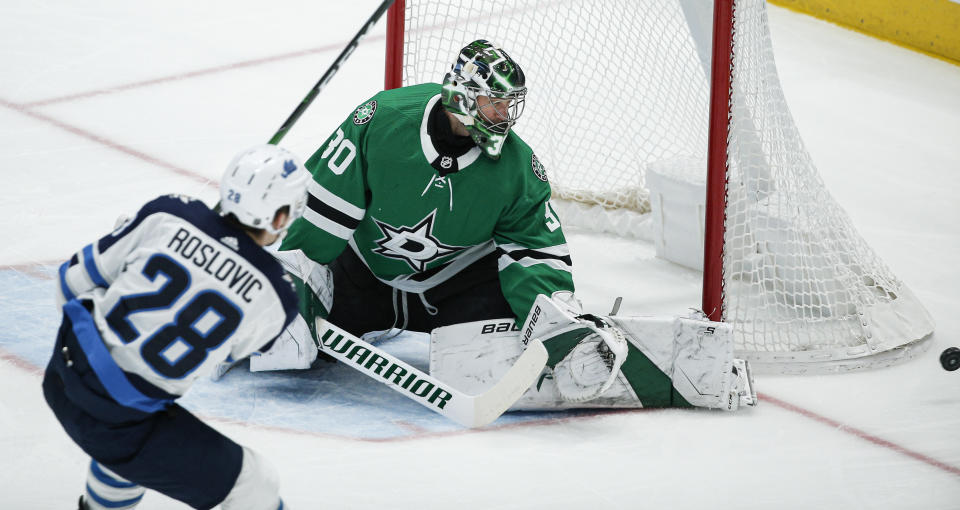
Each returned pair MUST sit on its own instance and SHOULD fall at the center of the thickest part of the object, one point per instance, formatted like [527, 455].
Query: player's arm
[533, 254]
[98, 264]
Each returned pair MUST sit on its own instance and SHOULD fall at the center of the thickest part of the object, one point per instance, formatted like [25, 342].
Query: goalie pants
[170, 451]
[362, 303]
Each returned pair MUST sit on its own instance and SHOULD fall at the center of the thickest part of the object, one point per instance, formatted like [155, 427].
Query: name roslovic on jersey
[375, 189]
[177, 290]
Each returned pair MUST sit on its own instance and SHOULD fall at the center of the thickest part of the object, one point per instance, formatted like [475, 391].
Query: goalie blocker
[599, 361]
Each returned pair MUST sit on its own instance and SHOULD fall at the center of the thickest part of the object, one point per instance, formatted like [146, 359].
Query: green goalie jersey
[377, 190]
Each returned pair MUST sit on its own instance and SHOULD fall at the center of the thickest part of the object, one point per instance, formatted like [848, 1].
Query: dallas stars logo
[538, 168]
[364, 113]
[414, 245]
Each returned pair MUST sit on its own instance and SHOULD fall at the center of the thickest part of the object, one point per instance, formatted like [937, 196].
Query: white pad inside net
[619, 87]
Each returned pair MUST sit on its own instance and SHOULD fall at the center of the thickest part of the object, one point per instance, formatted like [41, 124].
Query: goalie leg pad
[673, 362]
[697, 357]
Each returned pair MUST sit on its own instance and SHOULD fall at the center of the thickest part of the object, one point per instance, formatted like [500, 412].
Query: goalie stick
[467, 410]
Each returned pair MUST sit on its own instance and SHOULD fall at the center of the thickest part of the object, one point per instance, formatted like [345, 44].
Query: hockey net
[622, 88]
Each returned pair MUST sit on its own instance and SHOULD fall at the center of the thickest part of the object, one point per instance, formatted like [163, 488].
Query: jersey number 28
[178, 347]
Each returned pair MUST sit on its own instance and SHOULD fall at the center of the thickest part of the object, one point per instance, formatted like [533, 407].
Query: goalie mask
[259, 182]
[485, 90]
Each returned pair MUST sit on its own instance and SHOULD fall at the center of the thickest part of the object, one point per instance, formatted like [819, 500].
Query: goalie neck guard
[485, 71]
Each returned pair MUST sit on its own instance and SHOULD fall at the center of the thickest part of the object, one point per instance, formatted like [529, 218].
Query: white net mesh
[620, 87]
[798, 278]
[585, 62]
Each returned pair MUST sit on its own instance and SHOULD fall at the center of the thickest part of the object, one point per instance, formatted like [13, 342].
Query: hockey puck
[950, 358]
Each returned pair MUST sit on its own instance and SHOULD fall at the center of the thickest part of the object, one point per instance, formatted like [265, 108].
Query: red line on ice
[20, 363]
[187, 75]
[107, 142]
[866, 436]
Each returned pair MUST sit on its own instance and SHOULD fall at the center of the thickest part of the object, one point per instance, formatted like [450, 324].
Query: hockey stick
[332, 70]
[467, 410]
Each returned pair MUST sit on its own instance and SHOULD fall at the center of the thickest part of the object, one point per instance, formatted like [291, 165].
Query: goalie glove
[585, 351]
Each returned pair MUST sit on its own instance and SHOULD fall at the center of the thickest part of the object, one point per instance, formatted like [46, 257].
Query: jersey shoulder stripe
[506, 261]
[331, 213]
[557, 257]
[64, 285]
[91, 266]
[558, 251]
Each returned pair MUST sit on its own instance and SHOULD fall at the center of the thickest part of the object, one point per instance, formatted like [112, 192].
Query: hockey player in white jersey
[153, 306]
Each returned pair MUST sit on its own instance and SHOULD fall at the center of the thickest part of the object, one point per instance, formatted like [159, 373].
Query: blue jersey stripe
[102, 501]
[106, 479]
[109, 374]
[91, 266]
[64, 287]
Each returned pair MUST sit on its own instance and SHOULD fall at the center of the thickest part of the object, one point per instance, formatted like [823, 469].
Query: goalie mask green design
[483, 69]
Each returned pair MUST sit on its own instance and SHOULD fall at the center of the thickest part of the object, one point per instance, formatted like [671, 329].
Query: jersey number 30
[345, 152]
[176, 348]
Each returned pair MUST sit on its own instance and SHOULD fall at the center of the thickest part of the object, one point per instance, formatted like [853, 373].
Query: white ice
[106, 104]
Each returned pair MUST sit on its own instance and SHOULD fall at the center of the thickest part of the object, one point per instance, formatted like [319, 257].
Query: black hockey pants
[362, 303]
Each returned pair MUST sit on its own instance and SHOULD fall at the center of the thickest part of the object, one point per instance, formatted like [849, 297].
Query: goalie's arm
[533, 257]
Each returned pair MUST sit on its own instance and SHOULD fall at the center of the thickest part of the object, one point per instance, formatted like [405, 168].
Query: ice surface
[106, 104]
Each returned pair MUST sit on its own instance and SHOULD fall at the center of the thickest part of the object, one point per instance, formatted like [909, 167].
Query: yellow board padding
[928, 26]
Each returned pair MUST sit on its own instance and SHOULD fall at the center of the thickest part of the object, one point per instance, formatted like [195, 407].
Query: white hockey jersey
[172, 293]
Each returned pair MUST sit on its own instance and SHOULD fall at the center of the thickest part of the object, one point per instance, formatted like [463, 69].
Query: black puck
[950, 358]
